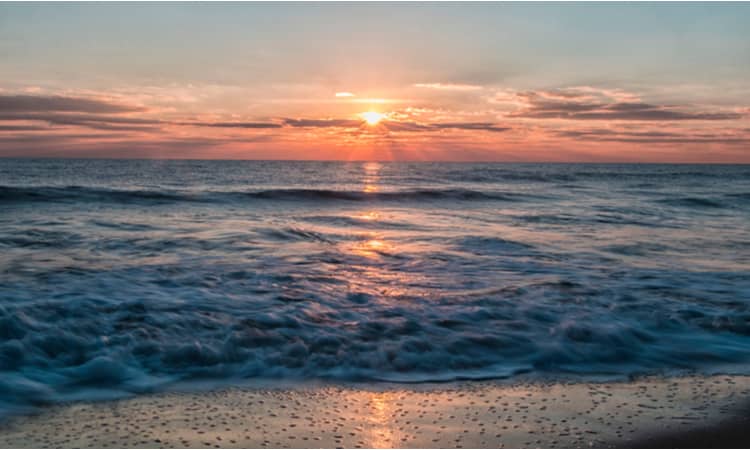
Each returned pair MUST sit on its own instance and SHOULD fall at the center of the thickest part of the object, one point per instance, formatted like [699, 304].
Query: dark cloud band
[575, 107]
[40, 103]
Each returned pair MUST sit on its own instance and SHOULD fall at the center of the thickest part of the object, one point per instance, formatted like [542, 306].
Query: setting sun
[372, 117]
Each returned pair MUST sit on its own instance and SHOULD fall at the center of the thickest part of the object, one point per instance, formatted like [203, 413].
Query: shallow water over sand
[127, 276]
[673, 413]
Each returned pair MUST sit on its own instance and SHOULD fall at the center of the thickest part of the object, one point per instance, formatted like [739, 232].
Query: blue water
[121, 277]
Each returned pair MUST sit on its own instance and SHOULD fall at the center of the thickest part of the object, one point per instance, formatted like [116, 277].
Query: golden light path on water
[383, 281]
[372, 177]
[381, 433]
[373, 246]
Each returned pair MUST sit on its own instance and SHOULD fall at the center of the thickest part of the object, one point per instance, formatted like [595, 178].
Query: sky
[573, 82]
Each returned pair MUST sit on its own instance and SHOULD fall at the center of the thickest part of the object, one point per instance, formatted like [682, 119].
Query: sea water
[123, 277]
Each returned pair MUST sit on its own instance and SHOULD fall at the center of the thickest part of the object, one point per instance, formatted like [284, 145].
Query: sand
[475, 414]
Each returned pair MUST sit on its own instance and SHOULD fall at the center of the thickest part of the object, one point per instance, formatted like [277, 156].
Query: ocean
[122, 277]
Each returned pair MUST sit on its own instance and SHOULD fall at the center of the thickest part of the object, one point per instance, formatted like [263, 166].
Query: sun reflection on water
[372, 248]
[371, 215]
[371, 177]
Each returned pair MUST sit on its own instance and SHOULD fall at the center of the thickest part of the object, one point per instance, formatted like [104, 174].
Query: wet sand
[650, 412]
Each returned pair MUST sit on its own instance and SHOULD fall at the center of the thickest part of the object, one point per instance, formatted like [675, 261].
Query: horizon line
[381, 161]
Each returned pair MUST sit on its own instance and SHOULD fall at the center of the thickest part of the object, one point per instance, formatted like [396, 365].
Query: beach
[647, 412]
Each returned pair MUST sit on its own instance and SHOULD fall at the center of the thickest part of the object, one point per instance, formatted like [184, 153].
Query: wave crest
[10, 194]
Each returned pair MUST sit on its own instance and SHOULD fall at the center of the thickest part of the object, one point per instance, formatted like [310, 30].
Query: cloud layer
[582, 106]
[504, 124]
[56, 103]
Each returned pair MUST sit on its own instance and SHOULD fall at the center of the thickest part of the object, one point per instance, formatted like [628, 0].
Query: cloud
[344, 94]
[283, 122]
[448, 86]
[410, 126]
[39, 103]
[390, 125]
[393, 125]
[23, 128]
[248, 125]
[121, 145]
[60, 139]
[58, 110]
[323, 123]
[380, 101]
[655, 137]
[477, 126]
[96, 121]
[92, 125]
[593, 105]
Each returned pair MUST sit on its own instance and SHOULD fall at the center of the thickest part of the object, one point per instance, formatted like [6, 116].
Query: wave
[492, 245]
[693, 202]
[210, 272]
[139, 330]
[10, 194]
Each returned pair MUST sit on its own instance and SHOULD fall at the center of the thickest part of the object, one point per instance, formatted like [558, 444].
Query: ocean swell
[18, 195]
[231, 273]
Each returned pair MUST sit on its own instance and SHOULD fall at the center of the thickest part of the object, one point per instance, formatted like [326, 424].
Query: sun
[372, 117]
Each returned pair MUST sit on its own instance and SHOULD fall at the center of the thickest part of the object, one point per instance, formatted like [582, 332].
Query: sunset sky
[497, 82]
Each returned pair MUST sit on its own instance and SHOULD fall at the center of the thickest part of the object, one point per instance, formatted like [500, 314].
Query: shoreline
[655, 412]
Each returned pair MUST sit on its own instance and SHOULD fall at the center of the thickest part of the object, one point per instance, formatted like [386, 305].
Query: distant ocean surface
[121, 277]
